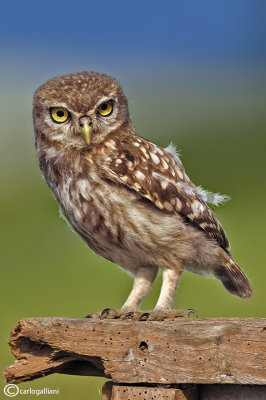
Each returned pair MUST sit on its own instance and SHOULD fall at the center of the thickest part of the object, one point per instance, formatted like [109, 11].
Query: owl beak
[85, 128]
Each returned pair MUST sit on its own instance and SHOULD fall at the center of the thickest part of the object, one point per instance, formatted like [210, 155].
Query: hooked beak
[85, 128]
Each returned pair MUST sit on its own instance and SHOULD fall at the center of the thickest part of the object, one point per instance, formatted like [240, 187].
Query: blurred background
[194, 74]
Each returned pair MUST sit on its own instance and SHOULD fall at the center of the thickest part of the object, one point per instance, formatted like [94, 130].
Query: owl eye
[59, 114]
[106, 108]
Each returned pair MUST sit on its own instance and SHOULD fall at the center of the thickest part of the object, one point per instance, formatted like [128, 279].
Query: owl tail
[232, 277]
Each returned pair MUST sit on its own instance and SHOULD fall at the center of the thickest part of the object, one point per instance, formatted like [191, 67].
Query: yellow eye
[105, 108]
[59, 114]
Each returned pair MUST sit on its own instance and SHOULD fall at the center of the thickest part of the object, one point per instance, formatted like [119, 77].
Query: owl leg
[163, 307]
[143, 281]
[170, 282]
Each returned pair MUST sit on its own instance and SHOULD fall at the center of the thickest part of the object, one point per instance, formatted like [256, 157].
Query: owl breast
[95, 209]
[116, 222]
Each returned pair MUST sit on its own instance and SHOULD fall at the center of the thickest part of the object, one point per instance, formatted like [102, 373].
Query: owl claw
[191, 311]
[128, 315]
[145, 316]
[111, 313]
[106, 312]
[162, 315]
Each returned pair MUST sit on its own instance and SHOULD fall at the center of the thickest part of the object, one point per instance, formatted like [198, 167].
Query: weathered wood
[114, 391]
[169, 352]
[124, 392]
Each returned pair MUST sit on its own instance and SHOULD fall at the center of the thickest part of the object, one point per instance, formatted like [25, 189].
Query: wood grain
[120, 392]
[169, 352]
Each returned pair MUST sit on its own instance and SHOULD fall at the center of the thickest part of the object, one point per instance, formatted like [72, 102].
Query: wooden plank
[125, 392]
[116, 391]
[184, 350]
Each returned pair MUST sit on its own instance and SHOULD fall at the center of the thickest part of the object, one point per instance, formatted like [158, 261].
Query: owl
[129, 199]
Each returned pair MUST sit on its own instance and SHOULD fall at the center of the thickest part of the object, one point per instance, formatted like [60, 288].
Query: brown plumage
[130, 200]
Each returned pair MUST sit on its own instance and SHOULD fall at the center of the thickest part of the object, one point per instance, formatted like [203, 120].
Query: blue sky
[140, 31]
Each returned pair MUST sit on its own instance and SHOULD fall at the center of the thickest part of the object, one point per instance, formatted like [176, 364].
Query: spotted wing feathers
[158, 175]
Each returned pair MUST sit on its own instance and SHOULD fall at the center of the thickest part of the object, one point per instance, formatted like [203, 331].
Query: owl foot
[107, 313]
[111, 313]
[166, 314]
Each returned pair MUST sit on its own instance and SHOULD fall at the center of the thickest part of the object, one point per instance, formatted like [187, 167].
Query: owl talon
[191, 311]
[145, 316]
[128, 315]
[106, 313]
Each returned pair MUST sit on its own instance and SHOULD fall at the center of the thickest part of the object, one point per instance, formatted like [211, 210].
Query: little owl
[129, 199]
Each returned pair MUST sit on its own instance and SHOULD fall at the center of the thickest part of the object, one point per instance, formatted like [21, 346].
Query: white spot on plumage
[124, 178]
[136, 144]
[164, 184]
[51, 152]
[110, 143]
[77, 214]
[168, 206]
[159, 204]
[137, 185]
[164, 163]
[203, 225]
[155, 158]
[118, 161]
[191, 216]
[140, 175]
[178, 203]
[144, 151]
[160, 151]
[186, 187]
[180, 173]
[172, 171]
[82, 186]
[197, 208]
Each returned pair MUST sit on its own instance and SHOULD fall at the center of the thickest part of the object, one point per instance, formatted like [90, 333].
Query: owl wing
[159, 176]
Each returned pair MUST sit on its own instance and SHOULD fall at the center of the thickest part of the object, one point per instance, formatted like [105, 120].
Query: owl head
[79, 109]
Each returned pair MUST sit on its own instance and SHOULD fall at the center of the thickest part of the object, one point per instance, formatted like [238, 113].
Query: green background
[212, 107]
